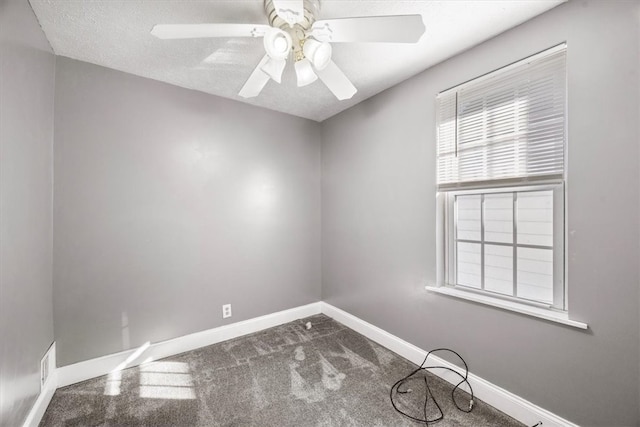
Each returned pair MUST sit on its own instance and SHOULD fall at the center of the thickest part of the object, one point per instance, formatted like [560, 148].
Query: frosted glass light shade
[319, 53]
[305, 73]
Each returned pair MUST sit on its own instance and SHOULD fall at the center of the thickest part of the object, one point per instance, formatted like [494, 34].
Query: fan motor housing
[298, 31]
[311, 9]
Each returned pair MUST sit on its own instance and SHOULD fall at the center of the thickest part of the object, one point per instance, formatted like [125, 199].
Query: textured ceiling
[115, 34]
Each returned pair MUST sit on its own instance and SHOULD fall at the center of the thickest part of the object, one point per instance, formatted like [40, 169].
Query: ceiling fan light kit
[277, 43]
[319, 53]
[304, 72]
[294, 31]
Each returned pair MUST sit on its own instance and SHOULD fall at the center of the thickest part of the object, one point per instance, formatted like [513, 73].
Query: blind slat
[507, 125]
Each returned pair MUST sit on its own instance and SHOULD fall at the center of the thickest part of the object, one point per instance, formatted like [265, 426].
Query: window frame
[553, 178]
[559, 254]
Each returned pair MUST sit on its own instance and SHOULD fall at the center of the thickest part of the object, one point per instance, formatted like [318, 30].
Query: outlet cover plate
[226, 311]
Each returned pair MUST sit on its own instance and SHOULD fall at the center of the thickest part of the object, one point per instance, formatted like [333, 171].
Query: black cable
[395, 389]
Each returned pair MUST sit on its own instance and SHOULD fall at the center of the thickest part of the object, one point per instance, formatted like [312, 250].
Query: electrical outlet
[226, 311]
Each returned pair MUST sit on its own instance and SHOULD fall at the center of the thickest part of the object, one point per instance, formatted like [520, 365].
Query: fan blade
[274, 68]
[196, 31]
[336, 81]
[292, 11]
[257, 80]
[383, 29]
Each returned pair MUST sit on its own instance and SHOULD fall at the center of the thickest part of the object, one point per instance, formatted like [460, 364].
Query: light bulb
[277, 43]
[280, 43]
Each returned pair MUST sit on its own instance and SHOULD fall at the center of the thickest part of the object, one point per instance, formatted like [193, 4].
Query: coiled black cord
[395, 389]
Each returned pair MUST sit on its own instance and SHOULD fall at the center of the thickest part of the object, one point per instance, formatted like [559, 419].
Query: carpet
[325, 376]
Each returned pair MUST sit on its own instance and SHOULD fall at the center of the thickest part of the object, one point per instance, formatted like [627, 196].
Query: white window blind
[506, 125]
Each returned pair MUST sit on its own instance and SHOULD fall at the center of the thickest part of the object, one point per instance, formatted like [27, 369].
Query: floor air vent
[47, 365]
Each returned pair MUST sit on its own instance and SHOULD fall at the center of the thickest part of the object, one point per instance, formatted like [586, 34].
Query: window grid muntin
[558, 288]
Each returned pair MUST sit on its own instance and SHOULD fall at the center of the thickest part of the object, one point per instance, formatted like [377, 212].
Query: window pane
[498, 269]
[469, 268]
[498, 218]
[468, 212]
[535, 274]
[535, 218]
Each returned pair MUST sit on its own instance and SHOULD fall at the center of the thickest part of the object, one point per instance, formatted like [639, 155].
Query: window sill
[542, 313]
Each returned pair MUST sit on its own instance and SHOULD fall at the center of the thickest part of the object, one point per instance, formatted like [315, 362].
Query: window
[501, 156]
[508, 242]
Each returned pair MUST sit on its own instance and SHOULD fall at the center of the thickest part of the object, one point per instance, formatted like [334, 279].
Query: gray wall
[170, 203]
[379, 236]
[27, 68]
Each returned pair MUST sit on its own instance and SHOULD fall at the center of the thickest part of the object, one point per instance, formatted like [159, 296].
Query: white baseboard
[92, 368]
[46, 394]
[505, 401]
[42, 402]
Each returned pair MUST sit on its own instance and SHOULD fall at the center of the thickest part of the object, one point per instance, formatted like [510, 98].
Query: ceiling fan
[293, 30]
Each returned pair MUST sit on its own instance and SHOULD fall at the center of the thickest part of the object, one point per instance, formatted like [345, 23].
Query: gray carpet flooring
[289, 375]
